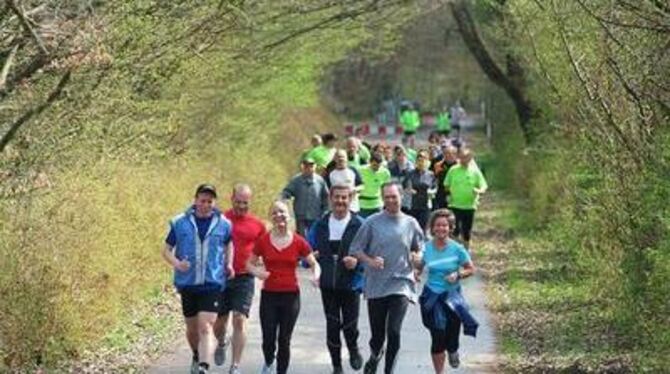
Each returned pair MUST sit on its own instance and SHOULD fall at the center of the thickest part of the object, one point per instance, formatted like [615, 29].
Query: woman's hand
[453, 277]
[262, 274]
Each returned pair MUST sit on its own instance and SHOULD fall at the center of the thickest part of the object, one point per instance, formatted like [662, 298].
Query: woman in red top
[280, 297]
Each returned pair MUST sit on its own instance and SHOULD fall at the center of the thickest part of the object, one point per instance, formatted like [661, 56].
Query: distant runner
[310, 196]
[464, 183]
[421, 185]
[443, 122]
[358, 153]
[374, 176]
[346, 175]
[410, 120]
[440, 169]
[457, 114]
[399, 168]
[323, 154]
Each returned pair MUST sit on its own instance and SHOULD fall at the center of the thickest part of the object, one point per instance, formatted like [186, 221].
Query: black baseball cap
[206, 188]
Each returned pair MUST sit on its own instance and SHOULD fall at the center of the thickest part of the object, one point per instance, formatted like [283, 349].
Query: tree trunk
[513, 81]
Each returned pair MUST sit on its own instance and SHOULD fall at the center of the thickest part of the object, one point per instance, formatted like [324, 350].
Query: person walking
[310, 196]
[464, 183]
[198, 247]
[420, 183]
[443, 308]
[341, 279]
[385, 243]
[374, 176]
[239, 292]
[280, 250]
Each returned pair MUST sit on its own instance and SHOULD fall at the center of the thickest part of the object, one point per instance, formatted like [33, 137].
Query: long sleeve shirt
[310, 194]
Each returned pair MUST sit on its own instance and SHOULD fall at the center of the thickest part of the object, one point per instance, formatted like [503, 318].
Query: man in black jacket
[341, 279]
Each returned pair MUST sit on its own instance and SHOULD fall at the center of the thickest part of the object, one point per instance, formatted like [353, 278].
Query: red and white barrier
[367, 129]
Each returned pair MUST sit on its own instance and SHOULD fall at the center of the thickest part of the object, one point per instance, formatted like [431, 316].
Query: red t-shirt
[281, 263]
[246, 230]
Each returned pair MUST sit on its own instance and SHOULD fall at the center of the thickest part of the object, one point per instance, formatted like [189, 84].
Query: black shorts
[409, 133]
[193, 303]
[238, 295]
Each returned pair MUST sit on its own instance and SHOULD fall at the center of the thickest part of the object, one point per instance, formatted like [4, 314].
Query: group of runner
[369, 219]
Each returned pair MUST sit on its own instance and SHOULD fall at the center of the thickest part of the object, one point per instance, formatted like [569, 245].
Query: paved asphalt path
[309, 354]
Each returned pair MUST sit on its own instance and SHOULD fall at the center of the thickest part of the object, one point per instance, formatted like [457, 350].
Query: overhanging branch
[9, 135]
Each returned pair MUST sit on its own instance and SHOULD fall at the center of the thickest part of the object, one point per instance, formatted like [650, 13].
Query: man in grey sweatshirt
[310, 194]
[385, 244]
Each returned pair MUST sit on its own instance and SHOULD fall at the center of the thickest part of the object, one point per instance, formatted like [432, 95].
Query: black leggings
[341, 309]
[421, 215]
[464, 220]
[386, 315]
[446, 340]
[278, 312]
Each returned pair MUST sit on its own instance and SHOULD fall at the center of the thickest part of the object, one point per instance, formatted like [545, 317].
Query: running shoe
[220, 352]
[234, 370]
[373, 361]
[355, 359]
[454, 360]
[267, 369]
[195, 365]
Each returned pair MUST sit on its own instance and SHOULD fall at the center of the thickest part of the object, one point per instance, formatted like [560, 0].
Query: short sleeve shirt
[461, 182]
[246, 231]
[281, 264]
[441, 262]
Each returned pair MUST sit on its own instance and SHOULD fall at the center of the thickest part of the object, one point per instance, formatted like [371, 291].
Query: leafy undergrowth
[549, 317]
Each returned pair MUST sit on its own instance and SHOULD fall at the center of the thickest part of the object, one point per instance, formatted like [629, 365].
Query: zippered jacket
[207, 257]
[334, 275]
[434, 314]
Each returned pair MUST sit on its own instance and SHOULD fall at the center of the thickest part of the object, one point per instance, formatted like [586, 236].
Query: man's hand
[315, 282]
[415, 258]
[376, 263]
[350, 262]
[230, 271]
[182, 266]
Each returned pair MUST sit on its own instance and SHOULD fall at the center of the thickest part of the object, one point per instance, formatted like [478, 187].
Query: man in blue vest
[199, 249]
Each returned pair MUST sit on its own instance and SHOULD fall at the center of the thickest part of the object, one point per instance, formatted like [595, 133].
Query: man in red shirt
[239, 291]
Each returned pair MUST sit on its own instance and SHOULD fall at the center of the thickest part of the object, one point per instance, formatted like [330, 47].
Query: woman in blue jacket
[443, 309]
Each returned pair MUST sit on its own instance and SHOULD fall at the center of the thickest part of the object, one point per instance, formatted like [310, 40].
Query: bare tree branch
[9, 135]
[7, 66]
[26, 25]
